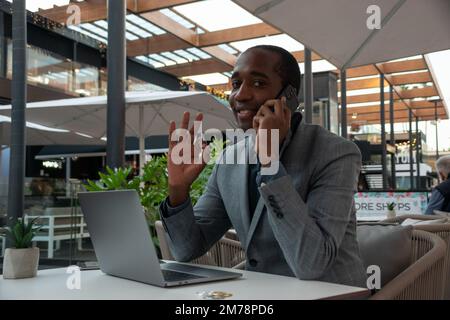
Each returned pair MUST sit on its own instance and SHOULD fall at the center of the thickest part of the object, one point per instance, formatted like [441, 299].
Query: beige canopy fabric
[338, 29]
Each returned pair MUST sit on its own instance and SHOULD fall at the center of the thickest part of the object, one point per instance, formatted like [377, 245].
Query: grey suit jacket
[304, 224]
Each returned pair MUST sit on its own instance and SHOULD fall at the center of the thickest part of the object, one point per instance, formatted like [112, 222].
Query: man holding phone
[298, 222]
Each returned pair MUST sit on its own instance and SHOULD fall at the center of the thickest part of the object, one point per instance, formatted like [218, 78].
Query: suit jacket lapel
[242, 158]
[256, 216]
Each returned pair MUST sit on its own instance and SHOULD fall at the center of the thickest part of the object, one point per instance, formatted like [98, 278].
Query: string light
[217, 93]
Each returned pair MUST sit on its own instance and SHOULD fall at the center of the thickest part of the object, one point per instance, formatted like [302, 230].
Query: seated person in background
[299, 221]
[440, 197]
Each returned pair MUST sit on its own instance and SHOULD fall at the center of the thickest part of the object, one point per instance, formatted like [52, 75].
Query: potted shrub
[391, 210]
[21, 260]
[152, 185]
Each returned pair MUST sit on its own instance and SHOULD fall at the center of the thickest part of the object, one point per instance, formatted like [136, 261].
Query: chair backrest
[422, 280]
[225, 253]
[400, 219]
[443, 231]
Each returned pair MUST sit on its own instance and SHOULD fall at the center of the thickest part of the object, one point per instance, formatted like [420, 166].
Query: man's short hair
[289, 70]
[443, 165]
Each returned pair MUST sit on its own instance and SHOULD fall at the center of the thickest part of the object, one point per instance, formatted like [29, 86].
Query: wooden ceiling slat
[97, 10]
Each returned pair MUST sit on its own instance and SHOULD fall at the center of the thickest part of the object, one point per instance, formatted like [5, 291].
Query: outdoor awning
[338, 30]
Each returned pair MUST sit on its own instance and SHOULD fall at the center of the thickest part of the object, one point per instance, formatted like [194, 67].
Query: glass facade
[48, 195]
[51, 70]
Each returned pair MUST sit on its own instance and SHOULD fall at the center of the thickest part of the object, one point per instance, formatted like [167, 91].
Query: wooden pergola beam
[398, 120]
[404, 66]
[155, 44]
[413, 78]
[198, 67]
[212, 66]
[169, 42]
[398, 106]
[406, 94]
[187, 35]
[97, 10]
[236, 34]
[399, 116]
[140, 6]
[389, 67]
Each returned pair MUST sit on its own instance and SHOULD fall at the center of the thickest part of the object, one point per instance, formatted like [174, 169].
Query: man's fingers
[256, 120]
[281, 107]
[266, 109]
[185, 121]
[198, 118]
[172, 127]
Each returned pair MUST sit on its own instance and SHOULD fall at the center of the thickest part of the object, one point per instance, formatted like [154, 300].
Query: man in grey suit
[299, 222]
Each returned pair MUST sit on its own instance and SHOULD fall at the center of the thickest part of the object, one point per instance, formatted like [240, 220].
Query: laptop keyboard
[173, 276]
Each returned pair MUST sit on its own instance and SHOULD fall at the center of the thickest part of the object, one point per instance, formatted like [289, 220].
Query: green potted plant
[152, 185]
[22, 259]
[391, 210]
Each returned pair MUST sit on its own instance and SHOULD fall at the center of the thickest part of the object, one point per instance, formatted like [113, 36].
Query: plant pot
[391, 214]
[20, 263]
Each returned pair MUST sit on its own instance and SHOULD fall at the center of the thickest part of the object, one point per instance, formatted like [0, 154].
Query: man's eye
[235, 84]
[258, 83]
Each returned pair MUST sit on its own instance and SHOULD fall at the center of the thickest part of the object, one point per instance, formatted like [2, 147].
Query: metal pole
[418, 139]
[115, 148]
[19, 98]
[141, 141]
[411, 165]
[68, 174]
[3, 46]
[437, 138]
[391, 120]
[73, 86]
[344, 103]
[383, 134]
[308, 87]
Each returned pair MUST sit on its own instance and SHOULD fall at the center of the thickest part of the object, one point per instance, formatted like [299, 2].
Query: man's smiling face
[255, 80]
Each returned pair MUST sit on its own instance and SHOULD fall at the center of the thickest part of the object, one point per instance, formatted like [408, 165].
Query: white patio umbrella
[339, 30]
[37, 135]
[147, 113]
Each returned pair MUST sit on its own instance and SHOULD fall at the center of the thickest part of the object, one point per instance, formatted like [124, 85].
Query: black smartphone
[88, 265]
[291, 97]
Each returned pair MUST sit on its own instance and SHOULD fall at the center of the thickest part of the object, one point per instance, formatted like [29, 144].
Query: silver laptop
[123, 244]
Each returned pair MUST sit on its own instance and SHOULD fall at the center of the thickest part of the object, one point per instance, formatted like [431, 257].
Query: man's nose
[244, 93]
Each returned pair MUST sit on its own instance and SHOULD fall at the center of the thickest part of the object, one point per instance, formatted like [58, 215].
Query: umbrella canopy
[338, 30]
[38, 135]
[147, 113]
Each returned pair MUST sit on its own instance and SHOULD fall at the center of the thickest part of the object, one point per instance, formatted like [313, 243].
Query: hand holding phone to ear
[266, 119]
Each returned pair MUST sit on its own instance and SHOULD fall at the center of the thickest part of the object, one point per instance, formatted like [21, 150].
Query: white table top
[51, 285]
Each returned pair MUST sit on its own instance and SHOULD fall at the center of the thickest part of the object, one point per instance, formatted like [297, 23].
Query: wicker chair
[422, 280]
[443, 231]
[226, 252]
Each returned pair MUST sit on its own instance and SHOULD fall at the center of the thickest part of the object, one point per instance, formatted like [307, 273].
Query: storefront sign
[373, 205]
